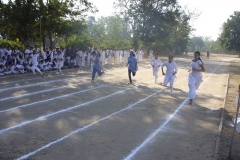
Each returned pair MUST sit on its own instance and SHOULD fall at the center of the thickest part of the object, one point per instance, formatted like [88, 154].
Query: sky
[213, 13]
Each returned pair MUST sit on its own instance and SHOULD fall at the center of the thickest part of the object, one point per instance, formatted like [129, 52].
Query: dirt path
[67, 117]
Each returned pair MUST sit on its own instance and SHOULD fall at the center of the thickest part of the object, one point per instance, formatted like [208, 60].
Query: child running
[195, 76]
[170, 72]
[156, 63]
[132, 62]
[96, 66]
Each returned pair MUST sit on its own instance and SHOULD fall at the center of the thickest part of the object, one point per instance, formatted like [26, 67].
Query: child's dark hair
[197, 52]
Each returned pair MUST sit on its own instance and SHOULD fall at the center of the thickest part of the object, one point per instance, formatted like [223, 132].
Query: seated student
[19, 68]
[66, 64]
[8, 69]
[54, 64]
[42, 65]
[28, 65]
[13, 69]
[73, 62]
[2, 70]
[48, 65]
[3, 61]
[20, 59]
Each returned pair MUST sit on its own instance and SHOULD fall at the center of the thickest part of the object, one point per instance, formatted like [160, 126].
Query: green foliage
[161, 25]
[108, 33]
[196, 42]
[21, 19]
[229, 38]
[12, 44]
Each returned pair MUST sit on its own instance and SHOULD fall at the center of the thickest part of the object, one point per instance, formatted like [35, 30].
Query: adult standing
[59, 61]
[195, 76]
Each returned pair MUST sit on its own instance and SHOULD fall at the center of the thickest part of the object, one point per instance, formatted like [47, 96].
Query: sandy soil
[66, 117]
[230, 112]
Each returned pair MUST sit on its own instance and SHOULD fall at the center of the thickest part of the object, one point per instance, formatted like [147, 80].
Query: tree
[21, 19]
[230, 36]
[108, 32]
[155, 23]
[196, 41]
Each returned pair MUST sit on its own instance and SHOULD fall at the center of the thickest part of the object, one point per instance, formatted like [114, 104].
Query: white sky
[213, 13]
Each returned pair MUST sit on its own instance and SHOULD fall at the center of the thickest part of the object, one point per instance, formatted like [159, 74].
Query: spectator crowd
[32, 59]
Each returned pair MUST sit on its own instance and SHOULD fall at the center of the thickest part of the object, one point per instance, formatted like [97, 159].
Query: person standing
[151, 55]
[132, 66]
[208, 54]
[59, 61]
[170, 72]
[156, 64]
[195, 76]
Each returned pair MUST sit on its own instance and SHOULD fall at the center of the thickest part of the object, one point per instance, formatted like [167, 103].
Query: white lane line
[151, 136]
[122, 70]
[58, 112]
[50, 99]
[28, 79]
[83, 128]
[42, 91]
[35, 84]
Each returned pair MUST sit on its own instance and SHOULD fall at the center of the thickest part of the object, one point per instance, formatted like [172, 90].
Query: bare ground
[66, 117]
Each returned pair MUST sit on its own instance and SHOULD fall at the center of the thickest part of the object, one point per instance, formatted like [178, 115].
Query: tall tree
[153, 22]
[21, 19]
[230, 36]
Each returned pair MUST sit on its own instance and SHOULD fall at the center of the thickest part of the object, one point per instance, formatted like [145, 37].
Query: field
[67, 117]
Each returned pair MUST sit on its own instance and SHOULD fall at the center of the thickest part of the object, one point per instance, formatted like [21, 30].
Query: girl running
[170, 72]
[96, 66]
[195, 76]
[132, 62]
[156, 63]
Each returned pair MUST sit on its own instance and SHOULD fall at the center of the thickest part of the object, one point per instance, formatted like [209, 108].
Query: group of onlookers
[15, 61]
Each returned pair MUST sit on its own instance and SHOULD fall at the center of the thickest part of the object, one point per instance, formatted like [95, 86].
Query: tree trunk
[50, 39]
[43, 42]
[23, 41]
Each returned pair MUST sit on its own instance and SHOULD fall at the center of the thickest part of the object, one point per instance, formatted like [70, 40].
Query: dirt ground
[229, 113]
[66, 117]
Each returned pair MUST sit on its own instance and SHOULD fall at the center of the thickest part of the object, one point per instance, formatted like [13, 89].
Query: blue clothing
[96, 65]
[132, 63]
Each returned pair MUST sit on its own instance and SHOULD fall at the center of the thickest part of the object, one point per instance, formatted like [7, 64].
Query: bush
[12, 44]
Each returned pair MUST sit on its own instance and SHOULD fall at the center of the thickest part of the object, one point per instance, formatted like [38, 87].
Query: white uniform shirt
[156, 62]
[35, 59]
[60, 58]
[171, 67]
[196, 65]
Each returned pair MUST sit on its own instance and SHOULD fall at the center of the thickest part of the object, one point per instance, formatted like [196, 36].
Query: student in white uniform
[28, 64]
[110, 57]
[151, 55]
[156, 64]
[102, 57]
[195, 76]
[170, 72]
[42, 65]
[13, 69]
[59, 61]
[78, 58]
[19, 67]
[84, 59]
[34, 59]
